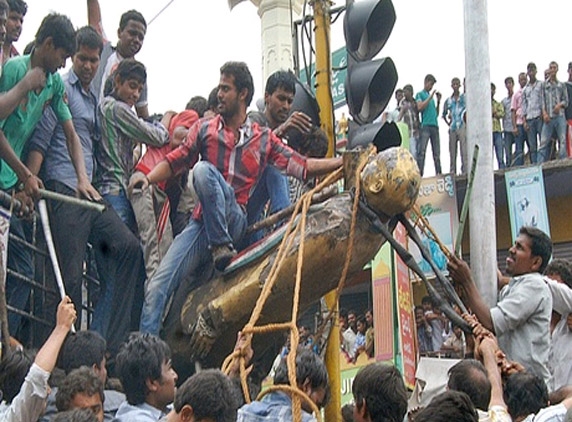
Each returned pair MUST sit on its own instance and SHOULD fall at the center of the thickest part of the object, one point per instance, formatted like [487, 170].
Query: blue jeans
[508, 139]
[20, 261]
[556, 124]
[534, 130]
[519, 145]
[272, 186]
[499, 148]
[426, 133]
[223, 222]
[122, 207]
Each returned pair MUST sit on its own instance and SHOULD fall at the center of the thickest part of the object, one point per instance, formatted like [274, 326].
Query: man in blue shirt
[312, 379]
[453, 113]
[118, 253]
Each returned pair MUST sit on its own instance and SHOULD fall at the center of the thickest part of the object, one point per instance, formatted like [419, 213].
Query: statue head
[390, 181]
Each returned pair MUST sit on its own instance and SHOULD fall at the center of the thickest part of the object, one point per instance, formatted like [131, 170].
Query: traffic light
[369, 83]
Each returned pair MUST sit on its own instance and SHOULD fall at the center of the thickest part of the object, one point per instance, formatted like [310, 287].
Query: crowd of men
[517, 366]
[538, 115]
[78, 134]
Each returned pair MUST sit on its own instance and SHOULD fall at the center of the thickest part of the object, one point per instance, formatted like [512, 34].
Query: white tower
[276, 32]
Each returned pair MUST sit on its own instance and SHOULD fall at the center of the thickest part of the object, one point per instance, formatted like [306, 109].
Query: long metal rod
[6, 200]
[43, 208]
[54, 196]
[466, 201]
[427, 256]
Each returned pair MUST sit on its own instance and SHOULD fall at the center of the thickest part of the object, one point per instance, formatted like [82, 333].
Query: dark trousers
[20, 260]
[119, 261]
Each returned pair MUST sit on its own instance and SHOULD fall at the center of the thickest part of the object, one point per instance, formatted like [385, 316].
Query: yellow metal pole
[324, 97]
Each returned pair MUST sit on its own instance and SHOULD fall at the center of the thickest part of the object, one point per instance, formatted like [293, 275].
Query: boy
[144, 368]
[131, 33]
[207, 395]
[81, 389]
[55, 42]
[121, 129]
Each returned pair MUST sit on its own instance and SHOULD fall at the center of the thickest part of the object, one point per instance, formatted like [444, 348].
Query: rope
[342, 281]
[296, 391]
[250, 328]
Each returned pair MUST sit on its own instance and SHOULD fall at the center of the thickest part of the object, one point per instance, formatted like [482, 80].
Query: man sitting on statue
[234, 152]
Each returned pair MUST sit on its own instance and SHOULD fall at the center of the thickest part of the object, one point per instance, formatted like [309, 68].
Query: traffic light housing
[305, 102]
[382, 135]
[369, 83]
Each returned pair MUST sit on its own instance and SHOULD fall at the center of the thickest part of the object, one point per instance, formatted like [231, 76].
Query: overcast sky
[186, 45]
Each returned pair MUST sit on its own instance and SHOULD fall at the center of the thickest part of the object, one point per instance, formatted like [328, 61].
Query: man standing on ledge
[234, 152]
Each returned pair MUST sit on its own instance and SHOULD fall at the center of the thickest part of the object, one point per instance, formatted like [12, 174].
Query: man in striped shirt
[234, 152]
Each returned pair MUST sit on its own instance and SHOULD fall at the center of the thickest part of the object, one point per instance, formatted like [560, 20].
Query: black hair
[13, 370]
[131, 15]
[284, 79]
[470, 377]
[139, 360]
[60, 29]
[313, 144]
[381, 389]
[211, 395]
[509, 79]
[427, 299]
[242, 78]
[343, 313]
[88, 37]
[309, 366]
[348, 412]
[84, 348]
[4, 8]
[449, 406]
[131, 69]
[561, 267]
[29, 47]
[79, 381]
[493, 86]
[541, 245]
[75, 415]
[198, 104]
[212, 101]
[525, 393]
[18, 6]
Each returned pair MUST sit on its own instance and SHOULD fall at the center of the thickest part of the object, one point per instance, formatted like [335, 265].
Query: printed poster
[437, 202]
[406, 326]
[526, 199]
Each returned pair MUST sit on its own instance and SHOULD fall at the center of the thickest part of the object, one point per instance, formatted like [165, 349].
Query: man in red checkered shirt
[233, 153]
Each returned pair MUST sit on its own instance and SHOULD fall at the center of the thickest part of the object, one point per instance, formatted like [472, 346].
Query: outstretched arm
[318, 166]
[30, 403]
[162, 171]
[487, 348]
[461, 274]
[94, 17]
